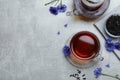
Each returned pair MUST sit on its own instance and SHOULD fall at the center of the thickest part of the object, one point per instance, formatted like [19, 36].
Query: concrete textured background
[30, 48]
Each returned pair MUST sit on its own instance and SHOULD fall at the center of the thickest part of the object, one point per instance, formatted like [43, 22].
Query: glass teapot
[90, 8]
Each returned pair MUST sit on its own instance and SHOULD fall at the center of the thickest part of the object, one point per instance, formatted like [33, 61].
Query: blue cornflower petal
[53, 10]
[65, 25]
[66, 50]
[108, 40]
[62, 8]
[108, 65]
[58, 33]
[117, 45]
[97, 72]
[109, 45]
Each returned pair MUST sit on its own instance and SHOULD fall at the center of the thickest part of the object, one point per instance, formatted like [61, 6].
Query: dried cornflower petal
[65, 25]
[108, 65]
[97, 72]
[58, 33]
[53, 10]
[109, 45]
[61, 8]
[117, 45]
[66, 50]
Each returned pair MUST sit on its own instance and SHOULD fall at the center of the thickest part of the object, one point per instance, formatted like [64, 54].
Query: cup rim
[91, 57]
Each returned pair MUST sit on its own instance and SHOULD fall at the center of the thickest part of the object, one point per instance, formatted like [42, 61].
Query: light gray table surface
[30, 48]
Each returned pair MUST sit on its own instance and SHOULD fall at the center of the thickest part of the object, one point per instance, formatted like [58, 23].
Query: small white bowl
[111, 35]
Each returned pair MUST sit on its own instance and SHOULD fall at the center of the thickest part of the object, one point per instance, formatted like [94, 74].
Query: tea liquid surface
[85, 45]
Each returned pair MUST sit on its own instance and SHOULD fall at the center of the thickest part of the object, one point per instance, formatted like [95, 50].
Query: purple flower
[117, 45]
[97, 72]
[62, 8]
[53, 10]
[108, 65]
[109, 45]
[66, 50]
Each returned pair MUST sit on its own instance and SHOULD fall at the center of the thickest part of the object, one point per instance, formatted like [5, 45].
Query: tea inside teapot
[92, 4]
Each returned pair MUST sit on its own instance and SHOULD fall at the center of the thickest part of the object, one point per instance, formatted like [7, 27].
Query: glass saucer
[80, 10]
[90, 64]
[96, 61]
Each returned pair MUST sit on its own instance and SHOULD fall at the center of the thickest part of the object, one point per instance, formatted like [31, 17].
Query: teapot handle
[74, 12]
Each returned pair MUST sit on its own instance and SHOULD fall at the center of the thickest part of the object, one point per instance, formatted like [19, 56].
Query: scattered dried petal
[58, 32]
[108, 65]
[97, 72]
[65, 25]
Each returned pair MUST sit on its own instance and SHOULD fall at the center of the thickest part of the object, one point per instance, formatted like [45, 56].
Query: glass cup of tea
[85, 49]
